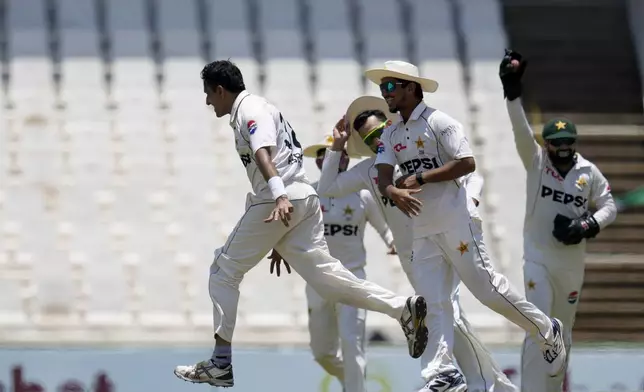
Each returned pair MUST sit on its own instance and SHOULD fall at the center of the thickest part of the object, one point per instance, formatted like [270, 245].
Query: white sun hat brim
[355, 145]
[403, 71]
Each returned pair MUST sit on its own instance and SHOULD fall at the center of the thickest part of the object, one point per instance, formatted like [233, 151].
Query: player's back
[258, 123]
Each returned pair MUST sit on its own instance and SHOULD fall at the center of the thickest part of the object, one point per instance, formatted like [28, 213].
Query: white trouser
[303, 245]
[465, 253]
[337, 338]
[556, 291]
[481, 371]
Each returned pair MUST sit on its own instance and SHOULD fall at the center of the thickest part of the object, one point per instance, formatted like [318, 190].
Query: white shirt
[257, 124]
[345, 219]
[549, 194]
[428, 140]
[364, 175]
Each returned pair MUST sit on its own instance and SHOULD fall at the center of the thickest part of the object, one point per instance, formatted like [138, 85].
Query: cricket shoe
[413, 325]
[555, 353]
[449, 381]
[206, 372]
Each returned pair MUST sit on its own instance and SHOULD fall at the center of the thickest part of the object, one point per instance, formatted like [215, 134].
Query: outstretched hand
[282, 211]
[511, 71]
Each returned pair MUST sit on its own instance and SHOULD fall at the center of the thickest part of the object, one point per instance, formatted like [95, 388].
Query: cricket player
[366, 118]
[560, 186]
[433, 153]
[329, 323]
[282, 213]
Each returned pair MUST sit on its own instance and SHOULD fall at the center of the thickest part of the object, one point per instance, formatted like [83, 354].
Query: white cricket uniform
[553, 272]
[428, 140]
[338, 331]
[481, 371]
[258, 124]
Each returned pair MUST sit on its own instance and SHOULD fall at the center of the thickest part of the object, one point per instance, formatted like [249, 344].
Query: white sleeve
[335, 184]
[451, 137]
[601, 196]
[474, 185]
[258, 124]
[385, 154]
[528, 149]
[376, 218]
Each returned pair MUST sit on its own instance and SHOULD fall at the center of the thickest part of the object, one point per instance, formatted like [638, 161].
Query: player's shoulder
[365, 165]
[587, 165]
[255, 104]
[442, 122]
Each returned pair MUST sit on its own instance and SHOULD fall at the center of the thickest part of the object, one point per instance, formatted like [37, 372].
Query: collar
[581, 161]
[416, 113]
[233, 111]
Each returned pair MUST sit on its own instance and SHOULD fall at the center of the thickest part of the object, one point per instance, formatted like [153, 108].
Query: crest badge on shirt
[348, 212]
[582, 181]
[420, 145]
[252, 127]
[381, 148]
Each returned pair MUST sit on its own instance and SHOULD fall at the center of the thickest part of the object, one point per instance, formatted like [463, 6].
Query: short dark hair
[223, 73]
[361, 119]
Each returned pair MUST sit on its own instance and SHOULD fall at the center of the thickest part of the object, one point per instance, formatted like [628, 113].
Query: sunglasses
[374, 133]
[568, 141]
[390, 87]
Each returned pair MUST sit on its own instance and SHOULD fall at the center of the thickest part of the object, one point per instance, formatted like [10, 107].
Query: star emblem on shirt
[560, 125]
[420, 143]
[329, 139]
[348, 212]
[531, 284]
[581, 182]
[463, 247]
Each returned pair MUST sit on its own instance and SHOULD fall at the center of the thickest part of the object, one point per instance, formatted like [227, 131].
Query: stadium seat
[83, 88]
[32, 88]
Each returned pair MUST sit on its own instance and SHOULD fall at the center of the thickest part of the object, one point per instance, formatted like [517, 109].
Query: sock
[221, 356]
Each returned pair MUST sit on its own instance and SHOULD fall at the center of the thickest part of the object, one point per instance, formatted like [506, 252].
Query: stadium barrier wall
[280, 370]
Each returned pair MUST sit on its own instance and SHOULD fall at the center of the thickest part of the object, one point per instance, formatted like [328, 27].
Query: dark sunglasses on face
[568, 141]
[390, 87]
[374, 133]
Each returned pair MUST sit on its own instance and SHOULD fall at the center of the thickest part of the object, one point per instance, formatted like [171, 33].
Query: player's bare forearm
[385, 179]
[265, 163]
[451, 170]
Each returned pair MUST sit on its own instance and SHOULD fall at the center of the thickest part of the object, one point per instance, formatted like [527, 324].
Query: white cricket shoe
[555, 353]
[450, 381]
[413, 325]
[206, 372]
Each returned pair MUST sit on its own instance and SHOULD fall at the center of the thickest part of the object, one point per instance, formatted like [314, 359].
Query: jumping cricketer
[282, 213]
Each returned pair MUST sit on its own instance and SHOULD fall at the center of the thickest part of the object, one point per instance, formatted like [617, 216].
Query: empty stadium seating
[116, 189]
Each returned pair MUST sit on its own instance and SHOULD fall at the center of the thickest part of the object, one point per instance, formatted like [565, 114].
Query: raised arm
[511, 71]
[335, 184]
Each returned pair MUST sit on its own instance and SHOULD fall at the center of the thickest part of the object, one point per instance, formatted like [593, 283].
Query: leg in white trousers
[303, 245]
[557, 294]
[337, 339]
[465, 250]
[481, 371]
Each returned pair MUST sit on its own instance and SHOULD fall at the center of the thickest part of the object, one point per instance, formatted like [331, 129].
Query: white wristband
[276, 185]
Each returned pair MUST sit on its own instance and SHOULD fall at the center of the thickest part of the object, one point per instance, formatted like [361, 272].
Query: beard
[562, 157]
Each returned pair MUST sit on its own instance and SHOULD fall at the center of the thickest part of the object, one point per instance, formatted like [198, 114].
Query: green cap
[558, 128]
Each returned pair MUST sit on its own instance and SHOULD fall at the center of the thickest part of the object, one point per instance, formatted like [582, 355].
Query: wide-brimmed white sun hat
[355, 145]
[401, 70]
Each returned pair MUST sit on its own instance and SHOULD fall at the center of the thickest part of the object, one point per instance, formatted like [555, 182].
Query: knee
[222, 270]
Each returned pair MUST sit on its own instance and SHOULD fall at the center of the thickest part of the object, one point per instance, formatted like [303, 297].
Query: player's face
[370, 132]
[215, 98]
[344, 160]
[397, 93]
[561, 151]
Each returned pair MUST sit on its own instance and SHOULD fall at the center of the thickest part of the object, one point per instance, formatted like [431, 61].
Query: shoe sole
[222, 384]
[563, 345]
[419, 312]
